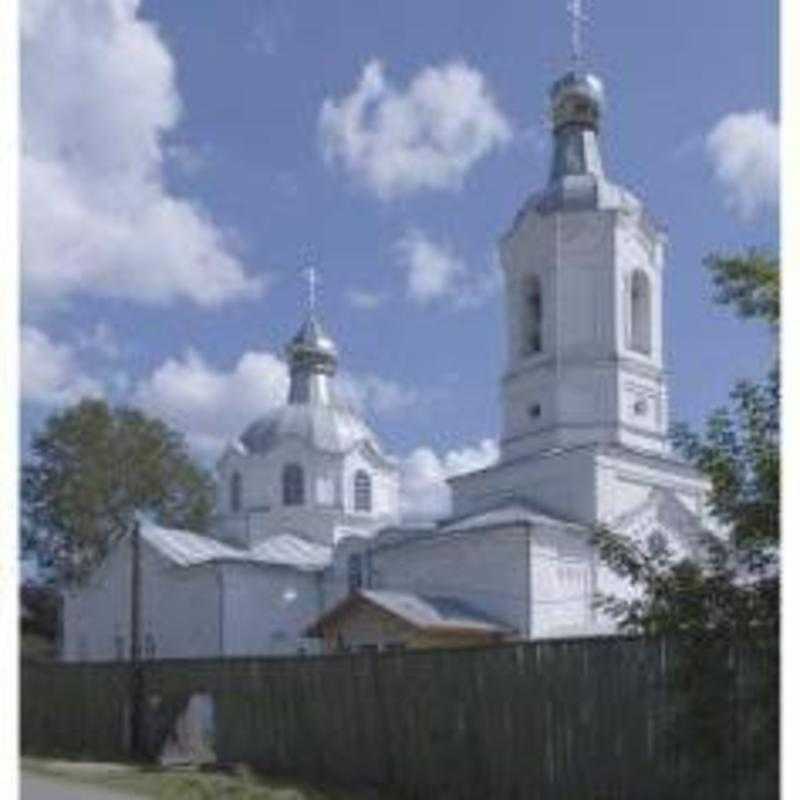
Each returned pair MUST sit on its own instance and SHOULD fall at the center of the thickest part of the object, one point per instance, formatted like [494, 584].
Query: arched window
[640, 331]
[362, 491]
[293, 486]
[236, 492]
[532, 316]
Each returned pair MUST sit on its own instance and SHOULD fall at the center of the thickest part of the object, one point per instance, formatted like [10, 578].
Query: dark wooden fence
[596, 719]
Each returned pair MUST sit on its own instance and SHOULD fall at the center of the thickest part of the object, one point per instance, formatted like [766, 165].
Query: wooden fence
[597, 719]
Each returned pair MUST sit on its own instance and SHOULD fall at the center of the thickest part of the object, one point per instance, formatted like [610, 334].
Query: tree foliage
[750, 282]
[733, 589]
[91, 469]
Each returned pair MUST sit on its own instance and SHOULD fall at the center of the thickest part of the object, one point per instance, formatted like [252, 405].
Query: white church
[308, 537]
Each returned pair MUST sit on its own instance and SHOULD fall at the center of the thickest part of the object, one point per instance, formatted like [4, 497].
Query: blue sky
[177, 162]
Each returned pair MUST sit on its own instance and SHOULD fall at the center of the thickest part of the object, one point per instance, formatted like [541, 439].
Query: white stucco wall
[587, 379]
[329, 500]
[487, 568]
[562, 484]
[624, 481]
[179, 610]
[562, 584]
[266, 609]
[584, 484]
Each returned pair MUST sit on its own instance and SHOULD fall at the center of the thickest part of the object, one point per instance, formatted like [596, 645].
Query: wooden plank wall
[602, 719]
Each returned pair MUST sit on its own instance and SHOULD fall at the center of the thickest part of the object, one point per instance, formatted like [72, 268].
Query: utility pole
[136, 688]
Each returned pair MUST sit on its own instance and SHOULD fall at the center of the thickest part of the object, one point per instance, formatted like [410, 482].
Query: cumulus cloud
[50, 373]
[426, 137]
[98, 97]
[433, 268]
[424, 490]
[100, 341]
[212, 405]
[744, 150]
[372, 393]
[435, 272]
[365, 300]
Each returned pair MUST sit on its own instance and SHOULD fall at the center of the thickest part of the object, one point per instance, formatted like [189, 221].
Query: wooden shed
[386, 620]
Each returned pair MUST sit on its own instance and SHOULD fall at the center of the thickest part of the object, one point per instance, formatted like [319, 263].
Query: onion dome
[311, 413]
[577, 99]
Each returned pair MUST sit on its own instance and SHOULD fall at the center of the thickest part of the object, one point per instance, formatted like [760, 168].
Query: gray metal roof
[312, 336]
[328, 428]
[508, 513]
[185, 549]
[439, 614]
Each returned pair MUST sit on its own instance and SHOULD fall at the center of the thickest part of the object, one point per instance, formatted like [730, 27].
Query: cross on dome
[309, 259]
[311, 276]
[575, 11]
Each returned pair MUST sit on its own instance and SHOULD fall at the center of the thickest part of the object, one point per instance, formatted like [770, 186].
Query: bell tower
[583, 274]
[585, 416]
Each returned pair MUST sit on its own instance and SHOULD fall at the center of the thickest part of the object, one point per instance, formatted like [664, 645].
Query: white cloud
[424, 491]
[435, 272]
[427, 137]
[100, 341]
[744, 150]
[365, 300]
[373, 393]
[433, 268]
[50, 374]
[212, 406]
[98, 96]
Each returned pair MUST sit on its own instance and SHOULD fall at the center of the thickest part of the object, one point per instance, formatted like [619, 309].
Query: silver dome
[326, 428]
[313, 338]
[582, 84]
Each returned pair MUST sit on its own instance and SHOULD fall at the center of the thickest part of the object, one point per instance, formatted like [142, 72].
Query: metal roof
[291, 550]
[430, 613]
[327, 428]
[434, 612]
[185, 549]
[513, 512]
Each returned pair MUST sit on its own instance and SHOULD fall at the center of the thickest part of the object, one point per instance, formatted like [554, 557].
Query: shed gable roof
[426, 613]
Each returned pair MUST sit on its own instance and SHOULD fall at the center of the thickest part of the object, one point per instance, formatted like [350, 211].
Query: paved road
[34, 787]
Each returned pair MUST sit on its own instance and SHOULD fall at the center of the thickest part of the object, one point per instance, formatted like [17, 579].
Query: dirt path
[36, 787]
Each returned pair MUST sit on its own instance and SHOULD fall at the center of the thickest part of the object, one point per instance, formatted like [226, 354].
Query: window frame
[235, 492]
[362, 491]
[293, 487]
[640, 312]
[532, 315]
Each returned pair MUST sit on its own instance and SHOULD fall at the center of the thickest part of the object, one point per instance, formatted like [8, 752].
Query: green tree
[735, 590]
[91, 469]
[724, 718]
[748, 281]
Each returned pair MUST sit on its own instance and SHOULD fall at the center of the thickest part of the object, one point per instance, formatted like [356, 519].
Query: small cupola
[576, 106]
[577, 99]
[312, 359]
